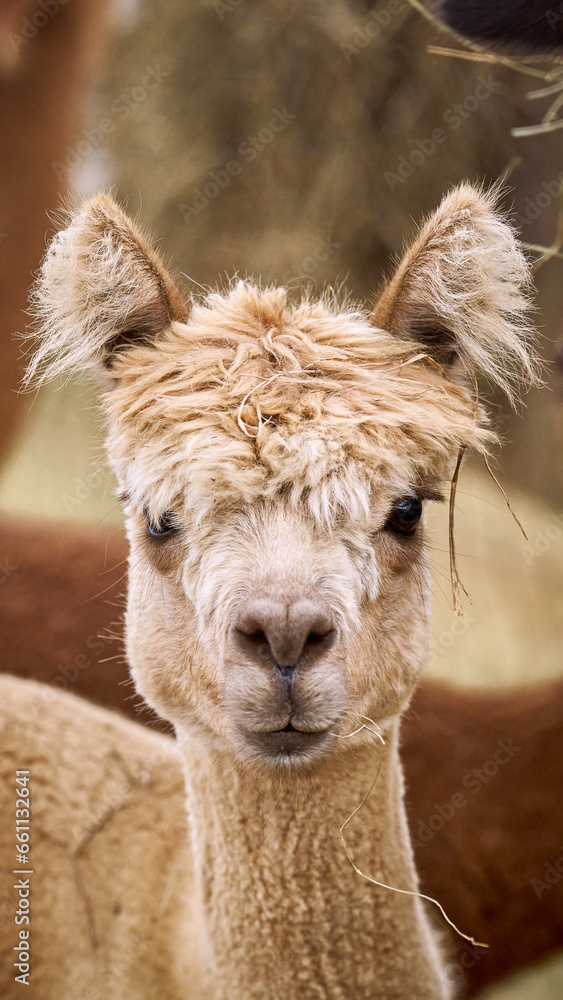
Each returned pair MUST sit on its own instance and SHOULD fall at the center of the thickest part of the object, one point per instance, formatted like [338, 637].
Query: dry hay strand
[374, 730]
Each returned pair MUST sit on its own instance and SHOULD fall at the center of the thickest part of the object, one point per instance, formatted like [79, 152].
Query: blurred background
[298, 141]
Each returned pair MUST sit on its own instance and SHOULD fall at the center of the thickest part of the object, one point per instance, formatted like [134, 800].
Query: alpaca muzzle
[284, 679]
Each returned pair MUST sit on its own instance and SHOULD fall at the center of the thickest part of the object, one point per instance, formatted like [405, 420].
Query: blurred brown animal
[48, 52]
[62, 598]
[482, 772]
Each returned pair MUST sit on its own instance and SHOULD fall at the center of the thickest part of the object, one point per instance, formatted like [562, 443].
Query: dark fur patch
[526, 25]
[141, 329]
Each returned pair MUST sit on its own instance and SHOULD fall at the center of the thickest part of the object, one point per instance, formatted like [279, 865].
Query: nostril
[257, 635]
[254, 641]
[315, 638]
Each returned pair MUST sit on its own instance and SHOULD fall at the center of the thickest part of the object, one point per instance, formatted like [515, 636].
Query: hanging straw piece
[491, 473]
[553, 250]
[481, 57]
[551, 113]
[424, 357]
[361, 725]
[547, 254]
[382, 885]
[533, 95]
[457, 585]
[524, 130]
[509, 169]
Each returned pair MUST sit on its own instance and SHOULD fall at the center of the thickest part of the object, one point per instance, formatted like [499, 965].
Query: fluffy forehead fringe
[254, 397]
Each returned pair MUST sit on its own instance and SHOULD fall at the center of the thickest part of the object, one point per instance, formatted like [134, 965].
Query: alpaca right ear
[462, 292]
[102, 288]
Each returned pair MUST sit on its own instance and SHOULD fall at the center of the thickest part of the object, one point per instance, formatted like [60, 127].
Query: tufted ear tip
[102, 288]
[463, 292]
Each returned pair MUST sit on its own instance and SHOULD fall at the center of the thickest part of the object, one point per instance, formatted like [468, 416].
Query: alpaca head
[275, 460]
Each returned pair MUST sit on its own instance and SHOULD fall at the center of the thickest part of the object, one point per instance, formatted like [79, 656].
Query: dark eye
[405, 515]
[165, 525]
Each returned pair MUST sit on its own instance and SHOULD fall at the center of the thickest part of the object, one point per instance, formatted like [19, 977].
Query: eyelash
[166, 525]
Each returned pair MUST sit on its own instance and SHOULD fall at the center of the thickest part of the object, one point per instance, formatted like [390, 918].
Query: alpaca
[274, 461]
[61, 606]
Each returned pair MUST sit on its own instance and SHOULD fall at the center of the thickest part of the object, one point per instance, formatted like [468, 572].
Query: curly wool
[255, 396]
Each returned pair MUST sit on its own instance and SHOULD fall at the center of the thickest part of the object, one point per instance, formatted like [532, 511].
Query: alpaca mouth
[288, 740]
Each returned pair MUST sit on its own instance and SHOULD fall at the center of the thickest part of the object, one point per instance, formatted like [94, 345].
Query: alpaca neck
[285, 914]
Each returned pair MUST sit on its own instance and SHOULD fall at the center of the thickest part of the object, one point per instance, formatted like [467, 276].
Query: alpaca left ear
[462, 292]
[102, 288]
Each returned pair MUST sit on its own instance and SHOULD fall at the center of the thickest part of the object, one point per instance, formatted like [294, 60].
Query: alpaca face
[275, 460]
[272, 632]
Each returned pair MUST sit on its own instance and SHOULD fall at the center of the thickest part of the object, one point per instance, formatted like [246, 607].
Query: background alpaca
[255, 400]
[47, 58]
